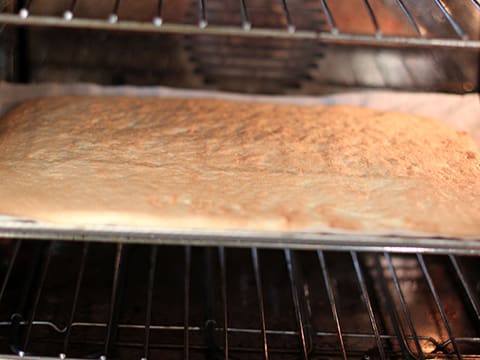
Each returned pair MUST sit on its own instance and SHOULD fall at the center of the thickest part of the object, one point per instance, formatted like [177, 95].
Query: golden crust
[215, 164]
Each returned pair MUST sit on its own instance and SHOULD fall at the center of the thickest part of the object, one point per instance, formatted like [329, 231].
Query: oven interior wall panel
[246, 64]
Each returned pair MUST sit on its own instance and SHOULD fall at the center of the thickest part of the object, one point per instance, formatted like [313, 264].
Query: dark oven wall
[232, 63]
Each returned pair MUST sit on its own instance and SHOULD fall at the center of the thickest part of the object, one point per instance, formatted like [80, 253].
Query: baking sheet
[459, 111]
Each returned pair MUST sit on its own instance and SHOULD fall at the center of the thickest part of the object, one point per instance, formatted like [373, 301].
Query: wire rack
[427, 23]
[88, 300]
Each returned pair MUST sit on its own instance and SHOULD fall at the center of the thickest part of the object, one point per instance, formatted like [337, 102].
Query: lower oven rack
[142, 302]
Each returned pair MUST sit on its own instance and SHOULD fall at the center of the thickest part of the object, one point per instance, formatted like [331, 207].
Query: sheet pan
[459, 111]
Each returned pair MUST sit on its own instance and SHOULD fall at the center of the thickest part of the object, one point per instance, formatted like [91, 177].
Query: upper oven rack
[460, 38]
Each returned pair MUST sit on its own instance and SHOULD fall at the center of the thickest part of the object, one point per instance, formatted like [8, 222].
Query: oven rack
[312, 284]
[332, 34]
[26, 229]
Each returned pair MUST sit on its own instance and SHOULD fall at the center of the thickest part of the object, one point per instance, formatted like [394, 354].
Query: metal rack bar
[186, 305]
[330, 19]
[148, 313]
[43, 277]
[333, 36]
[209, 286]
[296, 303]
[458, 29]
[409, 17]
[27, 287]
[202, 14]
[471, 299]
[368, 305]
[248, 239]
[245, 20]
[397, 326]
[440, 308]
[76, 296]
[404, 305]
[223, 276]
[11, 263]
[373, 17]
[331, 299]
[294, 333]
[114, 298]
[158, 19]
[258, 282]
[113, 17]
[288, 18]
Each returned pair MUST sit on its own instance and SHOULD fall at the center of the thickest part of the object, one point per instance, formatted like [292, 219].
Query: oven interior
[118, 300]
[121, 301]
[258, 46]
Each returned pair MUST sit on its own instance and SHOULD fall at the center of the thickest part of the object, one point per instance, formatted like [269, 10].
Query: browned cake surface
[213, 164]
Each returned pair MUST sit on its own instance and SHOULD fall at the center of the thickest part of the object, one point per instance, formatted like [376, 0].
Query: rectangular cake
[225, 165]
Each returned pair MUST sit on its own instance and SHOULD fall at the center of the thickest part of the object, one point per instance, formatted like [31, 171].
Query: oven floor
[88, 300]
